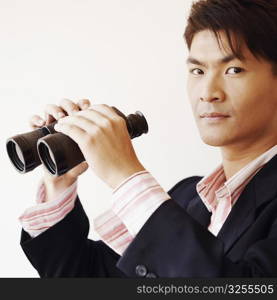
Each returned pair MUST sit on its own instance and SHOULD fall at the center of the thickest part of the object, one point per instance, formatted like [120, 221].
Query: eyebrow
[223, 60]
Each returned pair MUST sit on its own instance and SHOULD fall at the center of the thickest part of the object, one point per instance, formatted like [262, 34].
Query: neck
[234, 158]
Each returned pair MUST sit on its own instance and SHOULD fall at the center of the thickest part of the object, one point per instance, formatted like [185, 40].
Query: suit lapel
[240, 218]
[199, 211]
[261, 189]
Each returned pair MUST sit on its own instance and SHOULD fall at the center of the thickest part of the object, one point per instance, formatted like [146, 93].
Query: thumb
[78, 170]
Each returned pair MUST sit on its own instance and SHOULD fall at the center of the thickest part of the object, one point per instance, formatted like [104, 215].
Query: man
[222, 225]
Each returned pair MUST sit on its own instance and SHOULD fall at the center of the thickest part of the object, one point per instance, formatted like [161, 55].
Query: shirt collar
[215, 183]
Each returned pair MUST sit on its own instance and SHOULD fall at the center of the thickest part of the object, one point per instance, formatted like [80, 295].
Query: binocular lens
[16, 155]
[19, 154]
[47, 158]
[59, 153]
[22, 148]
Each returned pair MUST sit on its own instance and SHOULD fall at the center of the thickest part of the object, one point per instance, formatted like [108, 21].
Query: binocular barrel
[22, 148]
[55, 150]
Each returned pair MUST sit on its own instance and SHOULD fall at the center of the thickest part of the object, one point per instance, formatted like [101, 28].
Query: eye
[234, 70]
[196, 71]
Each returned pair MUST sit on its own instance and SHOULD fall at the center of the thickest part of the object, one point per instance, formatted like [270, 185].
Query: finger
[55, 111]
[36, 121]
[87, 125]
[69, 106]
[101, 116]
[74, 132]
[84, 104]
[105, 110]
[49, 118]
[78, 170]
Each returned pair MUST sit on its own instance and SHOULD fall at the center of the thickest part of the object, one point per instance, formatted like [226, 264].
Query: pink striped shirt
[38, 218]
[220, 195]
[137, 197]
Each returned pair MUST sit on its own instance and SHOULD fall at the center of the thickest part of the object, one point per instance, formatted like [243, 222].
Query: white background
[125, 53]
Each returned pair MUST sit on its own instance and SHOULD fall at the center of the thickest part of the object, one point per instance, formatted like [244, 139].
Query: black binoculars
[55, 150]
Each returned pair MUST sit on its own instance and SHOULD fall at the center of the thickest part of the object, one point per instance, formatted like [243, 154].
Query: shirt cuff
[112, 231]
[136, 199]
[40, 217]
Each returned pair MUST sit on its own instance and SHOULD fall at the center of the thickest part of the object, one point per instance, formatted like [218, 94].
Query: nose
[211, 90]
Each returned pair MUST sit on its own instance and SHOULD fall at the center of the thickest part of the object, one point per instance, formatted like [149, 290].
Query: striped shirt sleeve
[112, 231]
[38, 218]
[134, 201]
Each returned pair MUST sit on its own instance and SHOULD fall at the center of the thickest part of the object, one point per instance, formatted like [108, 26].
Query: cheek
[243, 97]
[192, 93]
[251, 110]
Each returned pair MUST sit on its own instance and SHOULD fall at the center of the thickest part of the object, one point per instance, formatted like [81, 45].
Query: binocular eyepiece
[55, 150]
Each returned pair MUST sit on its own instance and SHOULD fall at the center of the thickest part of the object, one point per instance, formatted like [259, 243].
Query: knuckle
[73, 105]
[66, 102]
[52, 108]
[119, 120]
[83, 101]
[96, 131]
[87, 140]
[93, 133]
[100, 105]
[35, 121]
[69, 105]
[106, 123]
[105, 105]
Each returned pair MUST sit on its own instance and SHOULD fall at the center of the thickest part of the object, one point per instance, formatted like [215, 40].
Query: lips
[214, 115]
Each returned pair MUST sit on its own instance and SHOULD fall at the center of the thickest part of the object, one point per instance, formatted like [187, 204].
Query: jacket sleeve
[173, 244]
[64, 249]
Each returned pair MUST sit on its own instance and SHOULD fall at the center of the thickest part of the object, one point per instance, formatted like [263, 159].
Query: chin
[215, 141]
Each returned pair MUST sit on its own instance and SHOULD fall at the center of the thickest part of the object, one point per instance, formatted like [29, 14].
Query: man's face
[245, 91]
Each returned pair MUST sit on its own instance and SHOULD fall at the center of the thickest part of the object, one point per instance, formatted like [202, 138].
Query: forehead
[205, 47]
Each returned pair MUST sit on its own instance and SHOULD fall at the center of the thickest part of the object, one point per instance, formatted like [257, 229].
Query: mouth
[214, 117]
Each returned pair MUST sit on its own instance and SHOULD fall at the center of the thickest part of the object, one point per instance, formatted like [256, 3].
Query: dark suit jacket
[174, 242]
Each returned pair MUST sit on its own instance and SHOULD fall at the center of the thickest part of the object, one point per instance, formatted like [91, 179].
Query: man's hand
[104, 140]
[52, 112]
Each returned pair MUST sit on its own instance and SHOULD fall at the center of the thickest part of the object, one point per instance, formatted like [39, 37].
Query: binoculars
[55, 150]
